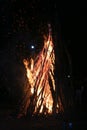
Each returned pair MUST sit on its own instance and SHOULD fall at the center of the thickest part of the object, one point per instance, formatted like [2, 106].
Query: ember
[40, 93]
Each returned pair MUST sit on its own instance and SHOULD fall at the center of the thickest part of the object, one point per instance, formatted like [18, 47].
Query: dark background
[22, 21]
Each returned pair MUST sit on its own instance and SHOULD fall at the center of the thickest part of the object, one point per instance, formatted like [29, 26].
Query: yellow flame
[38, 72]
[39, 76]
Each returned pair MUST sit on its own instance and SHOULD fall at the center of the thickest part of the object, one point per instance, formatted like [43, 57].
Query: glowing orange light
[38, 73]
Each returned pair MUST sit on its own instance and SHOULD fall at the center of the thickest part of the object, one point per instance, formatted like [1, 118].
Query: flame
[38, 72]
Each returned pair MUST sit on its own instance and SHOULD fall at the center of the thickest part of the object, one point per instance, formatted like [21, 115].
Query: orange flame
[39, 71]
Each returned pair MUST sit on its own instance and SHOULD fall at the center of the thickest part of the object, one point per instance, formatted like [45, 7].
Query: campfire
[40, 96]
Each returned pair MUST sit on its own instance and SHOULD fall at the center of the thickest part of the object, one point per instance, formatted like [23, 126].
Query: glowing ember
[40, 90]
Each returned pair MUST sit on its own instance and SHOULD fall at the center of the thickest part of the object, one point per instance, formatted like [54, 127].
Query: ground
[70, 120]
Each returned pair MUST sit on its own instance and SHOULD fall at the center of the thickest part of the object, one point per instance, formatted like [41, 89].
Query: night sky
[22, 21]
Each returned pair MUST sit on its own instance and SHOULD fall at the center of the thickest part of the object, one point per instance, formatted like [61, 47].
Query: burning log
[40, 95]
